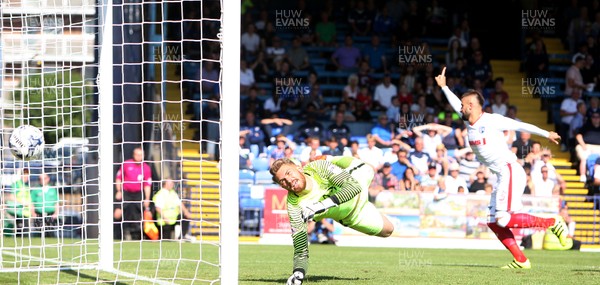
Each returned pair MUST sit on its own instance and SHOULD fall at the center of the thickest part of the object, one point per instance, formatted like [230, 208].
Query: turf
[262, 264]
[345, 265]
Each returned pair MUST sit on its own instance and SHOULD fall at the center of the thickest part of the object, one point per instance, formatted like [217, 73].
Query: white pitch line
[75, 266]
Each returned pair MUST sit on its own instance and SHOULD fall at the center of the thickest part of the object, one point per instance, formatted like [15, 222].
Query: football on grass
[27, 142]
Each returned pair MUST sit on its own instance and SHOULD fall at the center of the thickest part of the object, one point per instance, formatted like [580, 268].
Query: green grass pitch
[263, 264]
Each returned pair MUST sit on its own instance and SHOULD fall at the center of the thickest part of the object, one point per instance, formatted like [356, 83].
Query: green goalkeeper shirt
[329, 179]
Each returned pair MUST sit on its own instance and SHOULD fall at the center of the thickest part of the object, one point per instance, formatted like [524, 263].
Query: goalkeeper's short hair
[277, 165]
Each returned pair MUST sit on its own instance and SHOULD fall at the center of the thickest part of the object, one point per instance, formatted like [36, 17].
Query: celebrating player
[485, 133]
[334, 187]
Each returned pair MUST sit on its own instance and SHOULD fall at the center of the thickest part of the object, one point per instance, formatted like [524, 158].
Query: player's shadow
[586, 270]
[461, 265]
[311, 279]
[84, 276]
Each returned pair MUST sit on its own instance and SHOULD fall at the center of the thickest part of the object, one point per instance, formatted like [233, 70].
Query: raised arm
[452, 98]
[299, 235]
[510, 124]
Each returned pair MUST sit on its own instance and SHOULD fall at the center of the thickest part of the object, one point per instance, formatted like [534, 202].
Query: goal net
[130, 189]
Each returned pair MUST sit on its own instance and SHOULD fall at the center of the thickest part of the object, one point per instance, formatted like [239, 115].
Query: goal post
[230, 141]
[105, 138]
[99, 78]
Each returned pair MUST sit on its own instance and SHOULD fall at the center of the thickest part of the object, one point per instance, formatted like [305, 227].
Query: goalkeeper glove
[296, 278]
[310, 211]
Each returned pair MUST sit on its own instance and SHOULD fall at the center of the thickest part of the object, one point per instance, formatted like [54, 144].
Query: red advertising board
[276, 219]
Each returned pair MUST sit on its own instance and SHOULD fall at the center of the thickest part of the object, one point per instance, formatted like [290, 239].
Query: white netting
[166, 99]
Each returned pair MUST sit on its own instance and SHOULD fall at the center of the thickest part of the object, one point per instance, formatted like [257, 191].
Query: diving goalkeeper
[330, 187]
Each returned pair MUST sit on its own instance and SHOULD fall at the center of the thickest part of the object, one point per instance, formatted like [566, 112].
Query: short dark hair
[277, 165]
[473, 92]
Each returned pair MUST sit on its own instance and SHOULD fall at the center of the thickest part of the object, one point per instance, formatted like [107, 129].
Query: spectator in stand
[433, 138]
[543, 186]
[384, 24]
[275, 54]
[573, 79]
[474, 46]
[371, 154]
[419, 108]
[535, 154]
[594, 107]
[454, 140]
[360, 20]
[410, 182]
[272, 105]
[252, 103]
[384, 92]
[430, 181]
[263, 19]
[588, 142]
[499, 90]
[552, 173]
[351, 89]
[383, 133]
[404, 96]
[419, 158]
[342, 107]
[454, 181]
[374, 54]
[325, 32]
[251, 42]
[522, 147]
[247, 79]
[133, 182]
[415, 19]
[310, 128]
[537, 62]
[334, 147]
[457, 36]
[361, 113]
[383, 181]
[568, 110]
[312, 151]
[253, 131]
[365, 98]
[275, 125]
[282, 142]
[589, 73]
[297, 56]
[481, 69]
[577, 122]
[391, 155]
[402, 164]
[393, 112]
[455, 51]
[352, 149]
[338, 129]
[443, 159]
[477, 181]
[468, 164]
[365, 80]
[321, 231]
[347, 57]
[459, 73]
[245, 154]
[577, 26]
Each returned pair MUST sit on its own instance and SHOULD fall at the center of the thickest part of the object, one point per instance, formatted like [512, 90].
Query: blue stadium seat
[244, 191]
[270, 149]
[263, 177]
[260, 164]
[255, 150]
[590, 162]
[246, 176]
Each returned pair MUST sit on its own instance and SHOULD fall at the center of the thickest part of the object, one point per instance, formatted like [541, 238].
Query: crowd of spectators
[415, 141]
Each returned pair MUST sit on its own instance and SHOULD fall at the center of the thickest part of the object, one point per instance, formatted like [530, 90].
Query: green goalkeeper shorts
[358, 213]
